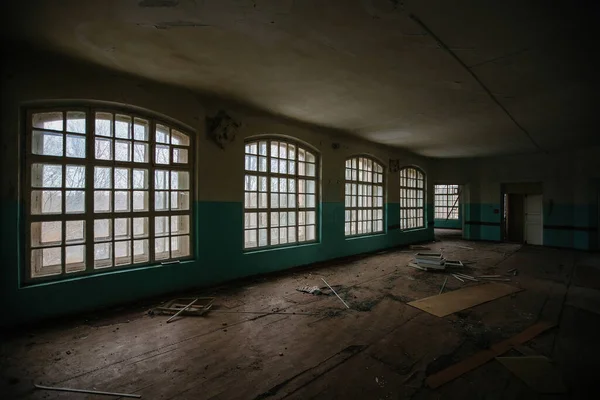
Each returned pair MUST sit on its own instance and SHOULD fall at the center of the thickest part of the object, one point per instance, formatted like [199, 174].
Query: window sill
[414, 229]
[370, 235]
[282, 247]
[42, 282]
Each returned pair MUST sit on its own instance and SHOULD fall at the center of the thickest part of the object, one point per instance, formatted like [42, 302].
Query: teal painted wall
[565, 225]
[219, 257]
[571, 226]
[448, 224]
[481, 223]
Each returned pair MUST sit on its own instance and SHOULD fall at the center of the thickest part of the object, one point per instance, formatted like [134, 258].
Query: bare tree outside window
[412, 198]
[97, 199]
[280, 193]
[363, 197]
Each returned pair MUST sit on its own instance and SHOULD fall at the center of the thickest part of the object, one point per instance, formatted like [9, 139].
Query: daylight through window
[106, 190]
[412, 198]
[363, 196]
[281, 195]
[446, 202]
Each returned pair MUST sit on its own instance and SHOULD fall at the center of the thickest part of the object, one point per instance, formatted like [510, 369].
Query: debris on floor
[310, 290]
[448, 303]
[61, 389]
[419, 247]
[477, 360]
[187, 306]
[443, 285]
[334, 292]
[463, 247]
[537, 372]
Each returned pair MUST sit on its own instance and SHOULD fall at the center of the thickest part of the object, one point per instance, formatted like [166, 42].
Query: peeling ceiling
[440, 78]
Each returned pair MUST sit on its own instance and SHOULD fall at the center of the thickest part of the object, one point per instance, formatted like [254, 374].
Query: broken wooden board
[461, 299]
[537, 372]
[454, 371]
[200, 307]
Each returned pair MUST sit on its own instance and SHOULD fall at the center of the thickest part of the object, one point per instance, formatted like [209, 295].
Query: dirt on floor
[265, 339]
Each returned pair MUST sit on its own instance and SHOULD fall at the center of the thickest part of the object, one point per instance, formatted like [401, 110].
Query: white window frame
[144, 208]
[263, 214]
[364, 197]
[446, 202]
[413, 185]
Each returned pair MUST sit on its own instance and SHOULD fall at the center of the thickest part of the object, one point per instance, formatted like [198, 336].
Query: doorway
[522, 219]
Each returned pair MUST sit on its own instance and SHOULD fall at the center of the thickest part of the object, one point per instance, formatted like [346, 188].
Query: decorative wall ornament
[222, 128]
[394, 165]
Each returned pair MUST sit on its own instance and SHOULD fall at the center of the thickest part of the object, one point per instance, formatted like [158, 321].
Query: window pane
[122, 150]
[75, 201]
[140, 129]
[123, 126]
[46, 202]
[46, 176]
[48, 120]
[76, 121]
[75, 232]
[47, 143]
[162, 154]
[104, 126]
[46, 261]
[161, 248]
[75, 146]
[75, 258]
[103, 149]
[46, 233]
[140, 152]
[179, 138]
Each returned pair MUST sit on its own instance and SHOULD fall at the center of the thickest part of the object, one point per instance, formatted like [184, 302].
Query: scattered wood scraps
[448, 303]
[454, 371]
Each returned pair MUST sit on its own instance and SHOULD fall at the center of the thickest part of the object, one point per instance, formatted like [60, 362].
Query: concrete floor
[380, 349]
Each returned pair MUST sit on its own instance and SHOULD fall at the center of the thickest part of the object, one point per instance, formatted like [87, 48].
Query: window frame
[269, 174]
[90, 162]
[449, 198]
[418, 171]
[373, 196]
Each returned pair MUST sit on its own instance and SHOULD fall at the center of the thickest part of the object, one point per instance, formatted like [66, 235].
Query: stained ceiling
[440, 78]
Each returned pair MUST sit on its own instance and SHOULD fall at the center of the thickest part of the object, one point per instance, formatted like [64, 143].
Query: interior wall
[218, 204]
[570, 182]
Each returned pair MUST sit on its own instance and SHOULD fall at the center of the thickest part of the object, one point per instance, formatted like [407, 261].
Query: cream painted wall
[43, 79]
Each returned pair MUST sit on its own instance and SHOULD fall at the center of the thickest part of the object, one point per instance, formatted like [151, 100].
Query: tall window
[446, 202]
[281, 197]
[364, 196]
[105, 190]
[412, 198]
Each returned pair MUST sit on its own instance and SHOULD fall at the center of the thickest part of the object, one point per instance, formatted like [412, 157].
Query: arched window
[412, 198]
[363, 196]
[281, 196]
[106, 189]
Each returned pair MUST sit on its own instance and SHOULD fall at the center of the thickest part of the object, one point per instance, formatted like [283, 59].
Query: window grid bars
[446, 202]
[269, 174]
[412, 198]
[90, 162]
[370, 177]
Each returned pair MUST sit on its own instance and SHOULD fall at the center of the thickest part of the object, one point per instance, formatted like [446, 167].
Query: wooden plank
[451, 302]
[478, 359]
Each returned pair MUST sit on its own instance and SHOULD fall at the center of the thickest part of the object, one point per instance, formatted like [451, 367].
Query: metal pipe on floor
[61, 389]
[334, 292]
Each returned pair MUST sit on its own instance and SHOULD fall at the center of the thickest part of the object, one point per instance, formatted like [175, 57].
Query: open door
[515, 218]
[533, 219]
